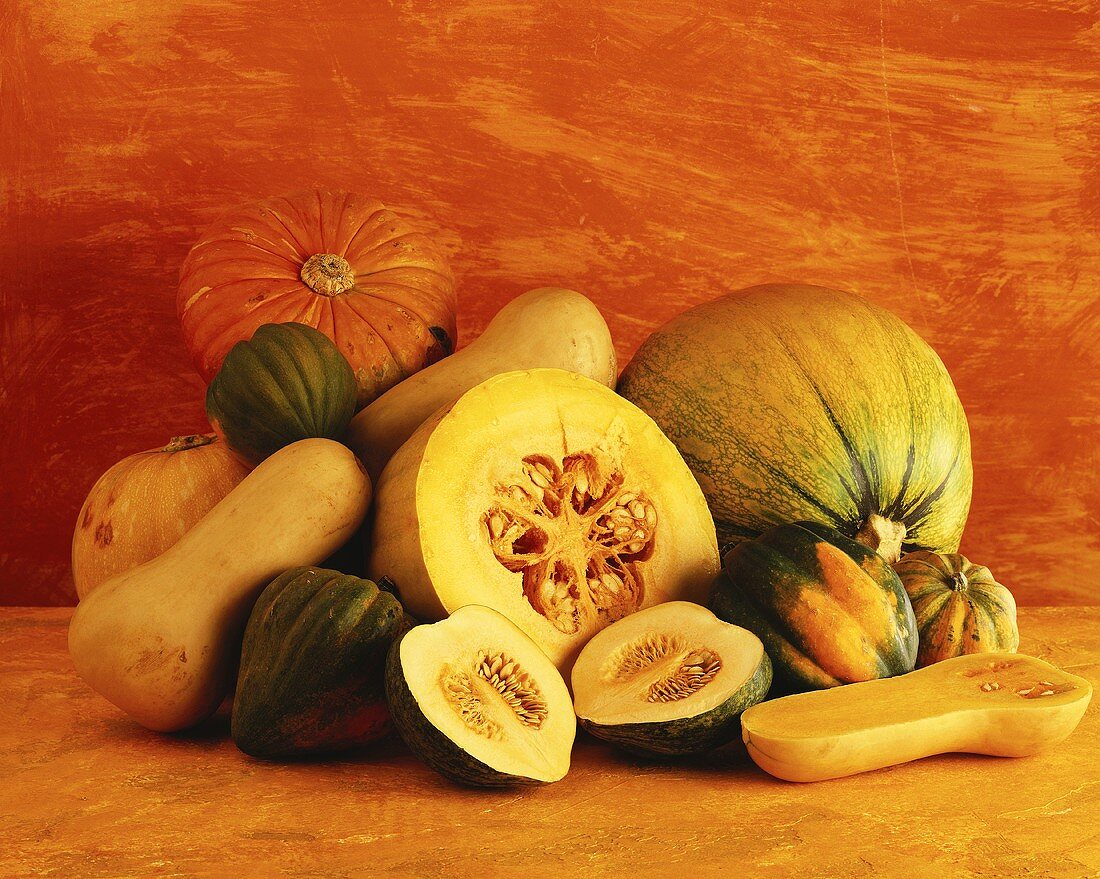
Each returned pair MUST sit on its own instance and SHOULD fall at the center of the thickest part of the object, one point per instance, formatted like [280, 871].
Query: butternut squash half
[548, 327]
[549, 498]
[1003, 704]
[161, 641]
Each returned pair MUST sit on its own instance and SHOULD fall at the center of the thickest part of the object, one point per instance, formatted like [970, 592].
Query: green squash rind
[430, 745]
[689, 735]
[792, 402]
[989, 621]
[763, 579]
[312, 669]
[289, 382]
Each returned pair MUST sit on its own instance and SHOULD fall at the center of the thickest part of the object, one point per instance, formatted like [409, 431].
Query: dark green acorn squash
[479, 702]
[289, 382]
[829, 610]
[313, 665]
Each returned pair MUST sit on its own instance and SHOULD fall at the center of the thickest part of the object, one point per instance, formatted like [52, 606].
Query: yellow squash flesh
[548, 327]
[160, 641]
[546, 496]
[1003, 704]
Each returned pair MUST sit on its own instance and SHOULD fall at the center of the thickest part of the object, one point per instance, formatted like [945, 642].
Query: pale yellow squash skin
[1002, 704]
[430, 532]
[161, 641]
[548, 327]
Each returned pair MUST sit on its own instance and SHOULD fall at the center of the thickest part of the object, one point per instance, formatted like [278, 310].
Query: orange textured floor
[939, 158]
[86, 792]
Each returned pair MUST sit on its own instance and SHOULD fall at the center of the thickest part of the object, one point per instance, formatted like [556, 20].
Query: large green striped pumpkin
[794, 402]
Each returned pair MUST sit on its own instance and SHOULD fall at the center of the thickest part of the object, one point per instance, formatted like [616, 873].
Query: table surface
[85, 792]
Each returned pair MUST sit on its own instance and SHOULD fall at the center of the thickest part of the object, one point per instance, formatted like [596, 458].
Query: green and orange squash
[287, 383]
[960, 608]
[312, 675]
[829, 610]
[794, 402]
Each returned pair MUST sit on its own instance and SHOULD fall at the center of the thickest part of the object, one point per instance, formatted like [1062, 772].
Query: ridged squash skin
[794, 402]
[162, 640]
[959, 607]
[829, 610]
[312, 674]
[548, 327]
[339, 261]
[287, 383]
[148, 501]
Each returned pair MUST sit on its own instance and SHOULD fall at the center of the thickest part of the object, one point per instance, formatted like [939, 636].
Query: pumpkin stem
[959, 581]
[328, 274]
[192, 441]
[882, 535]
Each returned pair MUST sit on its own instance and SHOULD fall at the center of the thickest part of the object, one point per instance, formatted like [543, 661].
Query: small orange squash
[959, 607]
[148, 501]
[339, 262]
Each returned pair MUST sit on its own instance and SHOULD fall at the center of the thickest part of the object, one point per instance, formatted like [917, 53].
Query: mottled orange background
[940, 158]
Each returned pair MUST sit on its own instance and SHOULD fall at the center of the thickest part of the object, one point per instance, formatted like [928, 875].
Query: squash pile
[752, 537]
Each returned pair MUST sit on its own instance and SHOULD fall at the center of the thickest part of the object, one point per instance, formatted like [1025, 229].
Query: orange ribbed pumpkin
[340, 262]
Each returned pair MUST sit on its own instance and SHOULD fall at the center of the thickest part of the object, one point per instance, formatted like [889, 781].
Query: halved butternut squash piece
[1004, 704]
[476, 700]
[548, 497]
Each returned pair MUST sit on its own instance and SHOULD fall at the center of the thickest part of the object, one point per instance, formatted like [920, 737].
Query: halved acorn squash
[544, 495]
[670, 679]
[475, 699]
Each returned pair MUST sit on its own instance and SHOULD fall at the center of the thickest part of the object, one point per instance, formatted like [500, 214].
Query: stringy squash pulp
[546, 496]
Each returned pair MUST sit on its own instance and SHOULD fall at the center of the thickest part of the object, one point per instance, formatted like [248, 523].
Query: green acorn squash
[958, 605]
[829, 610]
[479, 702]
[672, 679]
[794, 402]
[287, 383]
[312, 667]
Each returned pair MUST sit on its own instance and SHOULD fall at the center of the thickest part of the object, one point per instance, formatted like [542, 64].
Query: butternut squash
[1003, 704]
[160, 641]
[549, 327]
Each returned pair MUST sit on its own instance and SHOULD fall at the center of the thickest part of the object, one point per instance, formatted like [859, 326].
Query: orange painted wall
[940, 158]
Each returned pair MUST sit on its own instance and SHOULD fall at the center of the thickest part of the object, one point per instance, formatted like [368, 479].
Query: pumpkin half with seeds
[475, 699]
[671, 679]
[544, 495]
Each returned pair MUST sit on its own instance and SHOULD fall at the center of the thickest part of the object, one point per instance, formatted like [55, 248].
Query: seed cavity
[696, 670]
[631, 659]
[514, 686]
[578, 535]
[681, 670]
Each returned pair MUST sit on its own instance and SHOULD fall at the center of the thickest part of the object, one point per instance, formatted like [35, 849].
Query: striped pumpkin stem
[883, 535]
